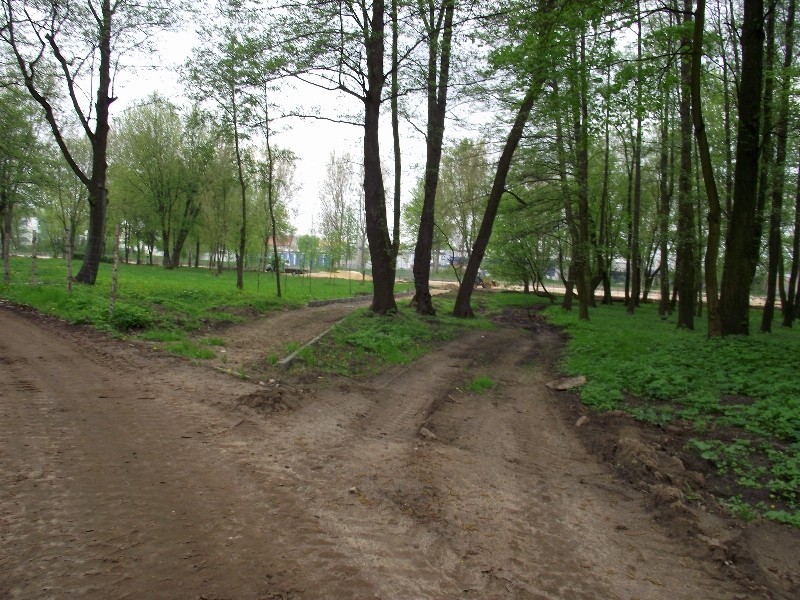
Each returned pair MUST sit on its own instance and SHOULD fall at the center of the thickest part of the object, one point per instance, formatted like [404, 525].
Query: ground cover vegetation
[170, 307]
[739, 396]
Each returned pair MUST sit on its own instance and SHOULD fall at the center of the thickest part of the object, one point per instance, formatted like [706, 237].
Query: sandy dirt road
[126, 473]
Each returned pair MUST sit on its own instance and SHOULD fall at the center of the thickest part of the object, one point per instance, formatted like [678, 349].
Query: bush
[127, 317]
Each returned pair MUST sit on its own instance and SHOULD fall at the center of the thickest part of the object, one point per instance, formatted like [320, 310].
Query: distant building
[28, 227]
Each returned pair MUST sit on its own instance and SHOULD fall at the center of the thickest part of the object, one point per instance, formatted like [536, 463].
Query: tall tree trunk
[603, 257]
[778, 184]
[714, 211]
[583, 250]
[398, 158]
[462, 306]
[438, 23]
[380, 243]
[569, 213]
[242, 191]
[789, 309]
[743, 238]
[685, 265]
[271, 196]
[636, 254]
[7, 217]
[665, 200]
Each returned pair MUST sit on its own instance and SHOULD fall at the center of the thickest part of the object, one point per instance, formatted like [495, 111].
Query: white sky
[311, 140]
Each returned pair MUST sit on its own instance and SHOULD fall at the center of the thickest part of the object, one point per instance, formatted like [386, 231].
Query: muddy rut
[129, 474]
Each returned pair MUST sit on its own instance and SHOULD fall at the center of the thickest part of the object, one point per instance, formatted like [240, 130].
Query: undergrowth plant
[740, 394]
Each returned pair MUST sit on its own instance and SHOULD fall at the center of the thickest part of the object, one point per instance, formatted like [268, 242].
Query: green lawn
[158, 303]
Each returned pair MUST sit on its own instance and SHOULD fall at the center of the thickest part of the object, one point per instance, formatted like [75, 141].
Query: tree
[714, 209]
[743, 239]
[341, 47]
[62, 206]
[778, 184]
[69, 42]
[337, 219]
[222, 71]
[153, 162]
[21, 157]
[462, 306]
[438, 22]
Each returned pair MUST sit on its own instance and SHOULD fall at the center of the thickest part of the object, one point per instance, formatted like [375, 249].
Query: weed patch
[481, 384]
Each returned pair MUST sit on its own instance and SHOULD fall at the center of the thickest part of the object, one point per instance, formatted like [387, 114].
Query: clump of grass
[161, 335]
[481, 384]
[213, 341]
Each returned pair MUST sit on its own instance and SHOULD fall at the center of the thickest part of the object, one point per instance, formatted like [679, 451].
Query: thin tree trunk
[270, 196]
[778, 184]
[685, 265]
[462, 306]
[582, 264]
[664, 208]
[714, 212]
[636, 258]
[7, 220]
[440, 24]
[395, 109]
[603, 261]
[789, 310]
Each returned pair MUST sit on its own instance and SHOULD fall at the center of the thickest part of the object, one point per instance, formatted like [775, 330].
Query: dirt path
[254, 346]
[128, 474]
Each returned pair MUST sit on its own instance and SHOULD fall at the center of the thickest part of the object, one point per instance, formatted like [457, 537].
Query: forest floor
[129, 473]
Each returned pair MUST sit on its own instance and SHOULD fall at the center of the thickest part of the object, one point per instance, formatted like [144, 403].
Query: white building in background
[28, 227]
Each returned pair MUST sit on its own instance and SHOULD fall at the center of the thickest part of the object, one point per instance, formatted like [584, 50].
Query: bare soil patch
[128, 473]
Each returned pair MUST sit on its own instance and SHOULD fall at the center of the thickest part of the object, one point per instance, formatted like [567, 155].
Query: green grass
[481, 384]
[740, 394]
[152, 301]
[364, 343]
[190, 350]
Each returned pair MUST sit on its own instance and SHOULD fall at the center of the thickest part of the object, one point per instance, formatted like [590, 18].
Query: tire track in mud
[339, 497]
[111, 487]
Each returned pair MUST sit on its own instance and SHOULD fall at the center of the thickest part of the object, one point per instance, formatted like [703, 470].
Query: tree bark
[664, 207]
[714, 211]
[583, 250]
[789, 309]
[636, 257]
[743, 238]
[95, 182]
